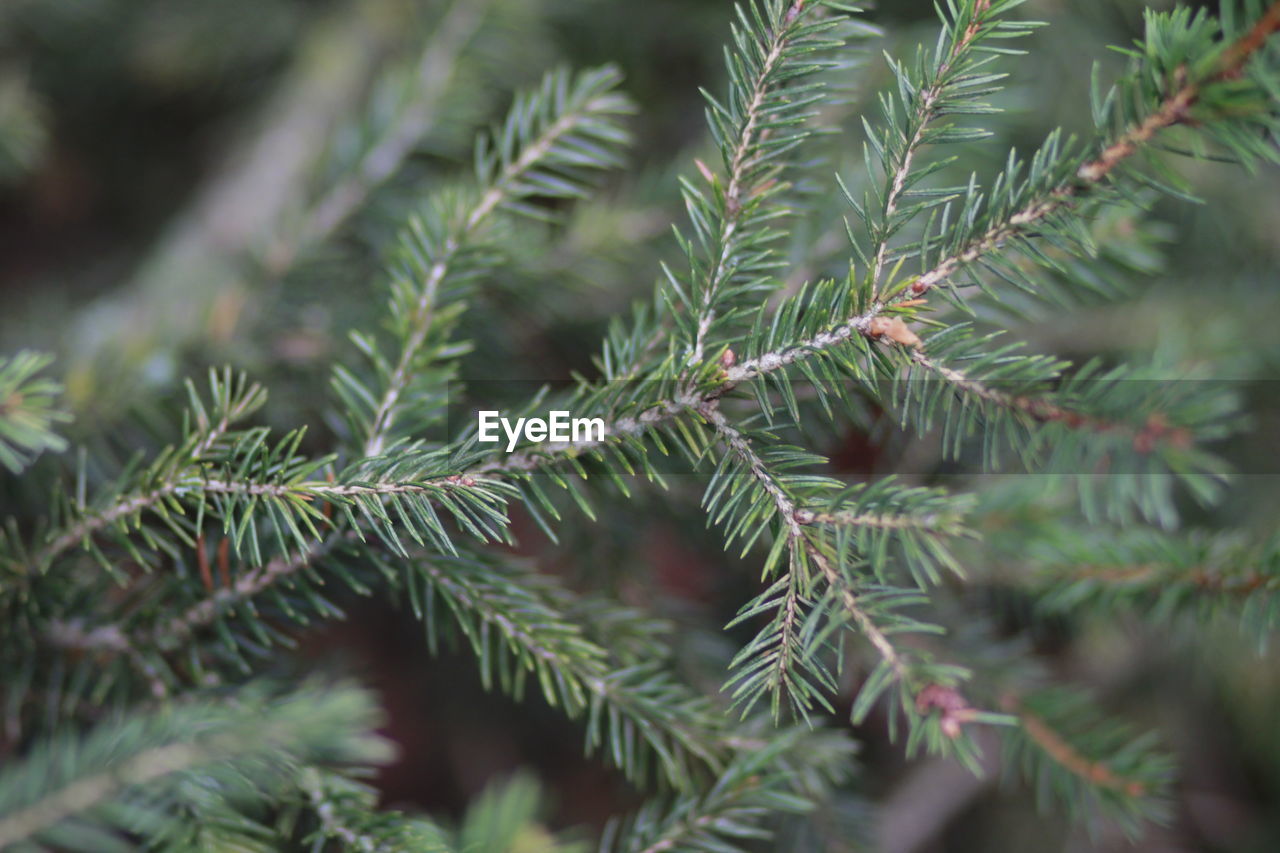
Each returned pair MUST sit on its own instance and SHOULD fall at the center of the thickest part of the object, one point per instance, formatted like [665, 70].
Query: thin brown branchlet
[1176, 109]
[1229, 580]
[110, 639]
[1145, 438]
[1061, 751]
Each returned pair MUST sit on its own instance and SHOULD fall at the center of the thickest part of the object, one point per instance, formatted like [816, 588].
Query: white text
[560, 427]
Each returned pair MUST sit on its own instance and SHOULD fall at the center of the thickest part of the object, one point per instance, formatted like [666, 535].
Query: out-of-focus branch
[191, 286]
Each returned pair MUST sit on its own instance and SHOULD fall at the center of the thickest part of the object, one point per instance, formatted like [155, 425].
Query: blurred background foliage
[164, 205]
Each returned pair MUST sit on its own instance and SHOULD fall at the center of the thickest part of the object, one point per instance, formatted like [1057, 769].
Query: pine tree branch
[1176, 108]
[1173, 110]
[348, 813]
[253, 583]
[123, 775]
[626, 702]
[233, 398]
[1060, 750]
[28, 411]
[784, 660]
[882, 521]
[503, 188]
[105, 640]
[737, 443]
[789, 618]
[925, 113]
[1094, 764]
[248, 585]
[887, 651]
[83, 529]
[834, 549]
[308, 490]
[1157, 577]
[865, 323]
[1145, 438]
[108, 639]
[111, 638]
[786, 774]
[797, 541]
[692, 826]
[785, 663]
[572, 141]
[88, 792]
[1160, 574]
[1251, 42]
[740, 163]
[331, 822]
[190, 485]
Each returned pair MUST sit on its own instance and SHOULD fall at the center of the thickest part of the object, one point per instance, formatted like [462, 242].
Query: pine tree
[152, 581]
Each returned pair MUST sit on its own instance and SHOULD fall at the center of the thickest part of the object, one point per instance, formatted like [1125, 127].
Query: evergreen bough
[142, 601]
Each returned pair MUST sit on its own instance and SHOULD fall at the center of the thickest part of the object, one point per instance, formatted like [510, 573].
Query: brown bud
[937, 696]
[955, 711]
[894, 329]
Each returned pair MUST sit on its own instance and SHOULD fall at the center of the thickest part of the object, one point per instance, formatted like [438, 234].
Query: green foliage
[503, 817]
[167, 776]
[778, 49]
[156, 590]
[1112, 770]
[551, 141]
[955, 79]
[344, 812]
[731, 814]
[1165, 576]
[28, 411]
[518, 626]
[261, 492]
